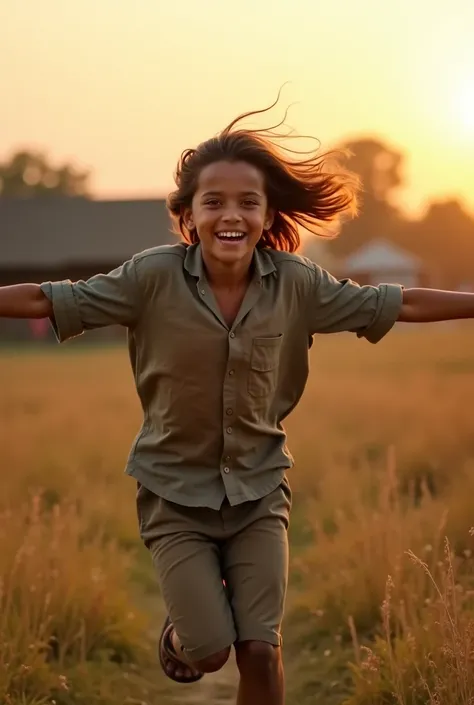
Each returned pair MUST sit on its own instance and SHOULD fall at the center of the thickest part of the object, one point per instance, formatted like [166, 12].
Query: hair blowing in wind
[305, 189]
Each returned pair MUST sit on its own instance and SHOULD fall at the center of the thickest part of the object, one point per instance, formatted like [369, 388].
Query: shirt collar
[193, 261]
[262, 259]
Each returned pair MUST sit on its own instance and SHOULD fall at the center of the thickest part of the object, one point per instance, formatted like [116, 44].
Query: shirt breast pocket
[264, 364]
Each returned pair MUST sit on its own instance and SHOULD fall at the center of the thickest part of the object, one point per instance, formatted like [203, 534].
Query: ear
[269, 218]
[188, 219]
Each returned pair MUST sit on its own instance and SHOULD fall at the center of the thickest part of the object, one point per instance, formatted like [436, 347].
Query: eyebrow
[220, 193]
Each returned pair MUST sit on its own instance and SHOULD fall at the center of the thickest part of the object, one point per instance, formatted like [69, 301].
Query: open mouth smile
[231, 236]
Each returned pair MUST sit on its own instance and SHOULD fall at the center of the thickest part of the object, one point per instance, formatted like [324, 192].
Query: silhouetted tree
[30, 174]
[444, 237]
[380, 170]
[378, 165]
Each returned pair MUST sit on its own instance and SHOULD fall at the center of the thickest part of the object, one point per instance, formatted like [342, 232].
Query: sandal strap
[168, 652]
[167, 645]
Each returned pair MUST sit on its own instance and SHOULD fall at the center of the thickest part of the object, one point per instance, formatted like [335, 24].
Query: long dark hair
[305, 189]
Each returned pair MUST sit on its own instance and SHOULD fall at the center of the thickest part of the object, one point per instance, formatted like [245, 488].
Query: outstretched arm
[24, 301]
[430, 305]
[73, 307]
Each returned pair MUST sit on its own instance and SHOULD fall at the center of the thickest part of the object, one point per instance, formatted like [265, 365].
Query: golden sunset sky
[123, 87]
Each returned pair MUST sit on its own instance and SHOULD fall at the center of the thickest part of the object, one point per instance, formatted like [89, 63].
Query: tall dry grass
[390, 483]
[62, 599]
[384, 452]
[426, 651]
[70, 628]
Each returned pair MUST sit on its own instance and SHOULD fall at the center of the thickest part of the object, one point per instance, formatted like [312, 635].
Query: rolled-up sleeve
[342, 305]
[102, 300]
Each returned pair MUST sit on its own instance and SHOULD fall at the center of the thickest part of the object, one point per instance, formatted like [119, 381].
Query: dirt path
[217, 688]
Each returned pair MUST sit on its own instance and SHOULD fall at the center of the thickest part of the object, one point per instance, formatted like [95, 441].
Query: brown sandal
[167, 653]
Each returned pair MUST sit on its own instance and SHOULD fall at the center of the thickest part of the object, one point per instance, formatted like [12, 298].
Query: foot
[172, 659]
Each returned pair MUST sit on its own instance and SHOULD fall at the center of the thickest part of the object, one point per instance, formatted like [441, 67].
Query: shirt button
[231, 372]
[229, 412]
[232, 335]
[202, 292]
[227, 458]
[229, 429]
[227, 471]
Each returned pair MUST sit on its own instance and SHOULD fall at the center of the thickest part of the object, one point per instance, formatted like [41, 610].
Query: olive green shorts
[195, 549]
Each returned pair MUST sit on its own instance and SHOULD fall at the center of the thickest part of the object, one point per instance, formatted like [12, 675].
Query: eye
[249, 203]
[212, 202]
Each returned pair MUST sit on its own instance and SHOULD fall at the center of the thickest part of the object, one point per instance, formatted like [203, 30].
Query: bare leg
[207, 665]
[261, 674]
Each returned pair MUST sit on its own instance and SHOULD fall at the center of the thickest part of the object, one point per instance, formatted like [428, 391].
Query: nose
[232, 215]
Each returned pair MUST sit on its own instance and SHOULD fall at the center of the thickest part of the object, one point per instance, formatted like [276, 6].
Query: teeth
[230, 235]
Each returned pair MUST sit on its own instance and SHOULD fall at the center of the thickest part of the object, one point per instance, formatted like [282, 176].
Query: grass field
[381, 604]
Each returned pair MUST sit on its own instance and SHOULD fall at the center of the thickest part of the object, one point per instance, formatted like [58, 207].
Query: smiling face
[229, 212]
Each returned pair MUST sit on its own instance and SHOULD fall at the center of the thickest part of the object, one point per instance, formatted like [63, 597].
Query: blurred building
[378, 261]
[49, 239]
[381, 261]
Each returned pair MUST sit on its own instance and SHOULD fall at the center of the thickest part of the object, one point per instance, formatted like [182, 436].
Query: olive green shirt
[213, 397]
